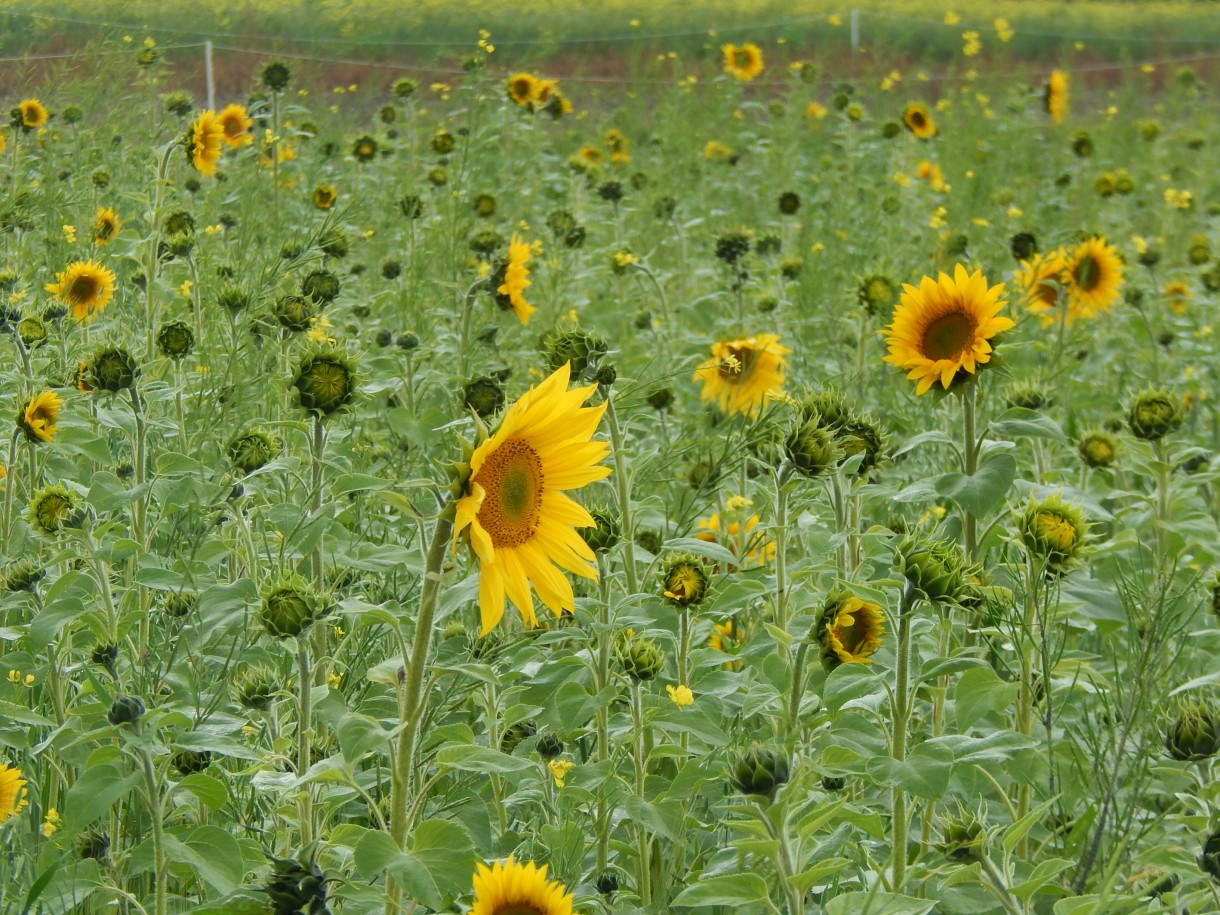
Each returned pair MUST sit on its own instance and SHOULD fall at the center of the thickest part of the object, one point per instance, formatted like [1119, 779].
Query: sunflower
[203, 142]
[86, 287]
[511, 888]
[851, 630]
[519, 520]
[106, 225]
[919, 121]
[516, 279]
[742, 374]
[12, 792]
[236, 123]
[1093, 275]
[1177, 297]
[33, 114]
[324, 196]
[743, 62]
[945, 326]
[1055, 97]
[38, 416]
[522, 88]
[1041, 278]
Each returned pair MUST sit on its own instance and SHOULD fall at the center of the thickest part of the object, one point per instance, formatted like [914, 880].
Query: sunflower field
[738, 480]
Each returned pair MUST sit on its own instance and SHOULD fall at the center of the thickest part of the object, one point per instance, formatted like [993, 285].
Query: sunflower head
[30, 114]
[512, 888]
[943, 329]
[743, 374]
[1054, 532]
[276, 76]
[326, 382]
[935, 569]
[918, 121]
[640, 658]
[876, 293]
[364, 149]
[37, 417]
[1154, 414]
[1098, 449]
[1055, 96]
[761, 771]
[176, 339]
[235, 124]
[684, 581]
[522, 88]
[86, 287]
[511, 280]
[254, 449]
[106, 226]
[113, 369]
[849, 630]
[1092, 276]
[744, 62]
[567, 342]
[324, 196]
[12, 792]
[289, 607]
[1194, 734]
[204, 143]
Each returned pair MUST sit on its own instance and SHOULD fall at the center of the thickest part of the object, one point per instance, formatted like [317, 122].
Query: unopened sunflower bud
[1098, 449]
[549, 746]
[321, 285]
[876, 293]
[606, 883]
[22, 575]
[1194, 734]
[125, 710]
[296, 887]
[812, 449]
[289, 608]
[53, 509]
[190, 762]
[326, 382]
[104, 654]
[1154, 414]
[760, 771]
[1023, 245]
[605, 536]
[256, 689]
[276, 76]
[253, 450]
[1210, 859]
[640, 658]
[484, 394]
[176, 339]
[963, 839]
[567, 342]
[1054, 532]
[515, 733]
[113, 369]
[936, 569]
[1029, 395]
[683, 579]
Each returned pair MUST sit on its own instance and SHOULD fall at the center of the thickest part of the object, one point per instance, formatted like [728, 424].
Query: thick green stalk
[624, 494]
[643, 868]
[898, 741]
[304, 734]
[971, 465]
[781, 543]
[156, 814]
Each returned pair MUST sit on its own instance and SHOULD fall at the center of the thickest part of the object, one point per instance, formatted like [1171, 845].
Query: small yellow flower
[952, 18]
[1015, 212]
[70, 234]
[14, 677]
[334, 679]
[737, 503]
[185, 289]
[1003, 30]
[338, 630]
[317, 332]
[680, 695]
[836, 21]
[938, 218]
[816, 112]
[559, 769]
[29, 680]
[51, 823]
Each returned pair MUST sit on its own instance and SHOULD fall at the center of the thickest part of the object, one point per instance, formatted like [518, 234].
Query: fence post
[207, 66]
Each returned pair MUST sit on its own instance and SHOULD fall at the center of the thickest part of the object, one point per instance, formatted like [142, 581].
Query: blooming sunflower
[1055, 97]
[743, 62]
[944, 326]
[203, 142]
[38, 416]
[106, 225]
[1041, 277]
[1177, 297]
[520, 522]
[324, 196]
[742, 374]
[1093, 275]
[919, 121]
[86, 287]
[516, 278]
[33, 114]
[511, 888]
[12, 792]
[522, 88]
[236, 123]
[851, 630]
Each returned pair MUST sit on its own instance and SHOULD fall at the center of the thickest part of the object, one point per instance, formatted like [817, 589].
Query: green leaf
[849, 682]
[1019, 422]
[446, 850]
[878, 903]
[358, 735]
[727, 889]
[981, 692]
[373, 853]
[11, 712]
[93, 794]
[980, 493]
[212, 793]
[925, 773]
[356, 482]
[1046, 871]
[473, 758]
[67, 889]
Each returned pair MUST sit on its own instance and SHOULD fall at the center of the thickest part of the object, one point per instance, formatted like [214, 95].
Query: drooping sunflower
[744, 62]
[1093, 275]
[204, 142]
[236, 123]
[850, 630]
[106, 225]
[1041, 278]
[522, 88]
[742, 375]
[12, 792]
[37, 418]
[521, 525]
[516, 279]
[919, 121]
[33, 114]
[511, 888]
[943, 327]
[1055, 96]
[86, 287]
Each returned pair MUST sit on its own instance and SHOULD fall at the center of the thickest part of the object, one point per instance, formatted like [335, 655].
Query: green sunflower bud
[566, 342]
[326, 382]
[1054, 532]
[293, 312]
[515, 733]
[862, 436]
[290, 607]
[33, 332]
[549, 746]
[484, 394]
[1210, 860]
[253, 450]
[849, 630]
[276, 76]
[1098, 449]
[683, 579]
[1023, 246]
[22, 575]
[1154, 414]
[403, 88]
[54, 509]
[1194, 734]
[828, 407]
[963, 839]
[321, 285]
[256, 689]
[936, 569]
[104, 654]
[176, 339]
[760, 771]
[295, 887]
[233, 299]
[731, 247]
[640, 658]
[789, 202]
[606, 883]
[1029, 395]
[876, 293]
[412, 206]
[179, 604]
[113, 369]
[605, 536]
[812, 449]
[190, 762]
[125, 710]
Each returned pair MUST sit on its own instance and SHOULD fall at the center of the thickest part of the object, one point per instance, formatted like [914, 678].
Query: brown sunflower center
[917, 120]
[518, 908]
[522, 88]
[741, 59]
[948, 336]
[735, 363]
[40, 416]
[83, 289]
[105, 228]
[1087, 273]
[850, 632]
[512, 477]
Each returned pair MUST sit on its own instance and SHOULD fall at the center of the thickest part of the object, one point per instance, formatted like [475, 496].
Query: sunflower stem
[304, 733]
[10, 486]
[781, 542]
[624, 493]
[643, 869]
[415, 699]
[156, 813]
[141, 508]
[898, 739]
[970, 466]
